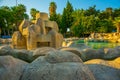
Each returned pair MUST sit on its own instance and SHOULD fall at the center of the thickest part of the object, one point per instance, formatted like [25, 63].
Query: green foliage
[58, 20]
[79, 21]
[78, 24]
[87, 24]
[90, 25]
[116, 12]
[11, 17]
[63, 23]
[53, 15]
[52, 8]
[107, 14]
[91, 11]
[67, 18]
[6, 19]
[117, 23]
[103, 15]
[33, 12]
[19, 14]
[105, 26]
[52, 11]
[82, 22]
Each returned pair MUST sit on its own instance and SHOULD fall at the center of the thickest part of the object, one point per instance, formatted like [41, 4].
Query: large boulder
[57, 65]
[117, 48]
[88, 54]
[73, 50]
[111, 53]
[102, 72]
[114, 63]
[23, 54]
[6, 50]
[42, 51]
[11, 68]
[61, 56]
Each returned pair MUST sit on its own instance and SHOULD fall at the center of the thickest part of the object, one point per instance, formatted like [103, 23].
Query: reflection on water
[97, 45]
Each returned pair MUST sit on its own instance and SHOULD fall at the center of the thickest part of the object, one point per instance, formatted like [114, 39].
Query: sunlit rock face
[104, 37]
[40, 33]
[110, 63]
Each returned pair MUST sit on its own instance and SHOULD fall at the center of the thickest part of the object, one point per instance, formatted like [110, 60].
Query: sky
[43, 5]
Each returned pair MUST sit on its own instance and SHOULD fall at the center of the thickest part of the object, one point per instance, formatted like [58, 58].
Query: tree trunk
[4, 32]
[118, 27]
[8, 32]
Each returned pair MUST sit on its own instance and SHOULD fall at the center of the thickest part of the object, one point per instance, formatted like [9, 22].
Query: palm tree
[52, 8]
[109, 12]
[117, 24]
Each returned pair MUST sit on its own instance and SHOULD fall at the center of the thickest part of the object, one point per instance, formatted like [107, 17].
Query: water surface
[97, 45]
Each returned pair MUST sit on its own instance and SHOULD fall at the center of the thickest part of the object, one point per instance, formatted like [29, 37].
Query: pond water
[97, 45]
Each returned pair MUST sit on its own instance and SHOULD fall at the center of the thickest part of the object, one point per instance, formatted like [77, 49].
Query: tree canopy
[11, 17]
[79, 22]
[33, 12]
[67, 18]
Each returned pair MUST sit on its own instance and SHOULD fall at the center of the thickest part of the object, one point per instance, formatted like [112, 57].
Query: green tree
[116, 12]
[19, 13]
[33, 12]
[52, 8]
[105, 26]
[11, 17]
[6, 20]
[107, 14]
[83, 24]
[91, 11]
[52, 11]
[77, 27]
[90, 25]
[117, 23]
[58, 20]
[102, 15]
[63, 26]
[53, 15]
[67, 18]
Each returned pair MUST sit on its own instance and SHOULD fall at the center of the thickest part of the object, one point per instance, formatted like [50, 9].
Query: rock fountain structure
[40, 33]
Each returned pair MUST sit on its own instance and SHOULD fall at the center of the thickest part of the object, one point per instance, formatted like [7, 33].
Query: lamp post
[16, 2]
